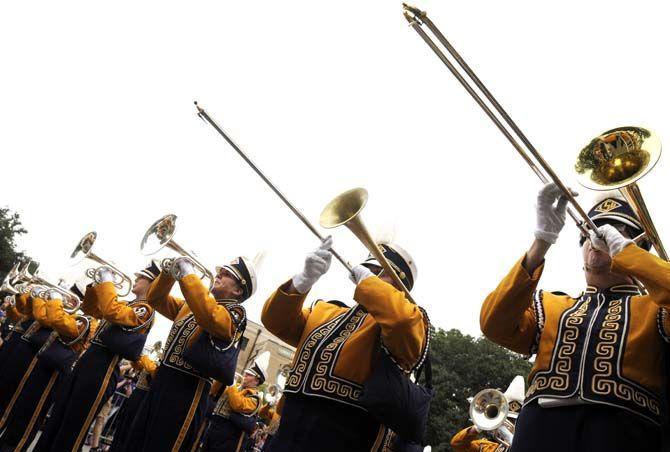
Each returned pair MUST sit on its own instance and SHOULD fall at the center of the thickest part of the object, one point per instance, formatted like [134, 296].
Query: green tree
[10, 229]
[463, 366]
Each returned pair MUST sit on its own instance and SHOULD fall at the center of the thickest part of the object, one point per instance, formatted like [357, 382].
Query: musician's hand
[359, 273]
[551, 207]
[103, 274]
[612, 242]
[317, 264]
[182, 266]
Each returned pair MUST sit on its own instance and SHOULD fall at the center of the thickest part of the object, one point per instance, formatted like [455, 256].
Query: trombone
[160, 235]
[417, 19]
[345, 210]
[83, 250]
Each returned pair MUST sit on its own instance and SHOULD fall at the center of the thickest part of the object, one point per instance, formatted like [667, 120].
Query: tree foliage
[10, 229]
[463, 366]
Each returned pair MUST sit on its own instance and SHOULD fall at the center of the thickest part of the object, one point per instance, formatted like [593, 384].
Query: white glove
[550, 217]
[182, 266]
[316, 265]
[359, 273]
[54, 295]
[612, 243]
[103, 274]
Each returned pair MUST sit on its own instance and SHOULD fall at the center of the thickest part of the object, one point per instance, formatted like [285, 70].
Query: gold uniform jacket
[604, 347]
[337, 346]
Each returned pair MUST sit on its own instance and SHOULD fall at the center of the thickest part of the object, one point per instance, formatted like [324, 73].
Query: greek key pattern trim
[176, 343]
[557, 378]
[607, 379]
[312, 372]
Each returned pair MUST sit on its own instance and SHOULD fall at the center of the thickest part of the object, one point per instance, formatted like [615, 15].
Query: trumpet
[160, 235]
[71, 301]
[345, 210]
[8, 281]
[83, 250]
[488, 412]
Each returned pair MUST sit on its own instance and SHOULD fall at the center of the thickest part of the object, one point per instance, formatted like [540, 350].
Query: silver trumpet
[84, 250]
[160, 235]
[488, 412]
[71, 301]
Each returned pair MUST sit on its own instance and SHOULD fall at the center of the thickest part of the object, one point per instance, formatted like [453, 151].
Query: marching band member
[470, 438]
[19, 364]
[596, 383]
[122, 334]
[336, 349]
[19, 323]
[147, 368]
[177, 401]
[234, 414]
[34, 400]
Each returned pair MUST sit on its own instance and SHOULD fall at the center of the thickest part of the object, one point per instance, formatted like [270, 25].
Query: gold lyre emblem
[607, 206]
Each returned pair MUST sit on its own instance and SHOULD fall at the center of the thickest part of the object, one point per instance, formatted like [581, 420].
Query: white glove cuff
[303, 283]
[617, 246]
[549, 237]
[360, 273]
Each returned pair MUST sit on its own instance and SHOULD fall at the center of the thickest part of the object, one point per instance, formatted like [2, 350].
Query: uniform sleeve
[401, 321]
[22, 302]
[90, 303]
[507, 317]
[111, 309]
[63, 323]
[146, 364]
[651, 270]
[239, 400]
[211, 316]
[39, 311]
[462, 441]
[160, 299]
[284, 316]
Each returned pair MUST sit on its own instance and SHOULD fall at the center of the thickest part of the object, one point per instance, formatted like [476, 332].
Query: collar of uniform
[629, 289]
[227, 301]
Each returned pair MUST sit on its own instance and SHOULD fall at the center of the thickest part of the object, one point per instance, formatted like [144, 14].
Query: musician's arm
[22, 303]
[239, 401]
[14, 316]
[652, 271]
[283, 314]
[402, 324]
[507, 317]
[211, 316]
[146, 364]
[158, 296]
[462, 441]
[39, 311]
[112, 309]
[63, 323]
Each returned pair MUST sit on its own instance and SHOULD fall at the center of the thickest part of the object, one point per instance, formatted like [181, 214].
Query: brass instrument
[8, 281]
[345, 210]
[71, 301]
[160, 235]
[417, 19]
[488, 412]
[84, 250]
[617, 159]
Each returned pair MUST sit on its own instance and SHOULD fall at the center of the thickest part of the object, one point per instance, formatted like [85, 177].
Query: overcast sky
[98, 129]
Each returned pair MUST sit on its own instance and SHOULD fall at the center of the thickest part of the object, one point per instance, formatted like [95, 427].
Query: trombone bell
[344, 208]
[618, 158]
